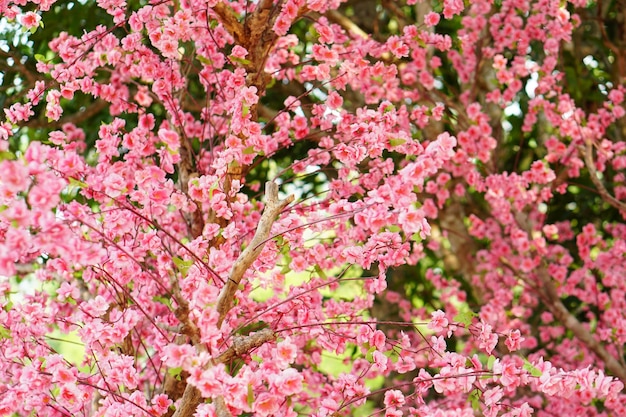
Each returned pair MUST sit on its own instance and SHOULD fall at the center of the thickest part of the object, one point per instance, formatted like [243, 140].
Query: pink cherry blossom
[309, 207]
[30, 20]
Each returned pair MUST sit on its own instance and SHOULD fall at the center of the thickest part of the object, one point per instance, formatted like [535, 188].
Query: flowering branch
[570, 322]
[241, 345]
[273, 206]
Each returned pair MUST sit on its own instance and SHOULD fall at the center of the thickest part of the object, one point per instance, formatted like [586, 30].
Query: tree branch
[18, 66]
[189, 402]
[593, 174]
[347, 24]
[273, 206]
[75, 118]
[230, 21]
[221, 409]
[244, 344]
[241, 345]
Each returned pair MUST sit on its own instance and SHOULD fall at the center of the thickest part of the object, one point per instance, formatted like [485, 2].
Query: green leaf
[532, 369]
[474, 398]
[465, 317]
[78, 183]
[6, 155]
[182, 265]
[397, 142]
[4, 333]
[490, 362]
[320, 272]
[175, 372]
[249, 150]
[40, 58]
[415, 237]
[163, 300]
[250, 395]
[392, 355]
[286, 269]
[204, 60]
[241, 61]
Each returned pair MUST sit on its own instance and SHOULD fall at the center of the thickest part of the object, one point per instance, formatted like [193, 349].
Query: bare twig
[30, 76]
[93, 109]
[593, 174]
[346, 23]
[273, 206]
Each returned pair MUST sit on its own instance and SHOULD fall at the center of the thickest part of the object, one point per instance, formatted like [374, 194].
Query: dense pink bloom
[434, 182]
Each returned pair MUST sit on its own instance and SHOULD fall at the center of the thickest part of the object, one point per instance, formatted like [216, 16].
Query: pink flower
[378, 340]
[492, 396]
[289, 382]
[19, 112]
[488, 340]
[397, 47]
[115, 185]
[239, 52]
[285, 352]
[514, 340]
[175, 356]
[380, 360]
[161, 403]
[249, 95]
[68, 397]
[508, 373]
[438, 344]
[14, 176]
[438, 321]
[266, 404]
[523, 411]
[142, 97]
[431, 19]
[394, 398]
[68, 290]
[64, 376]
[30, 20]
[170, 138]
[334, 100]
